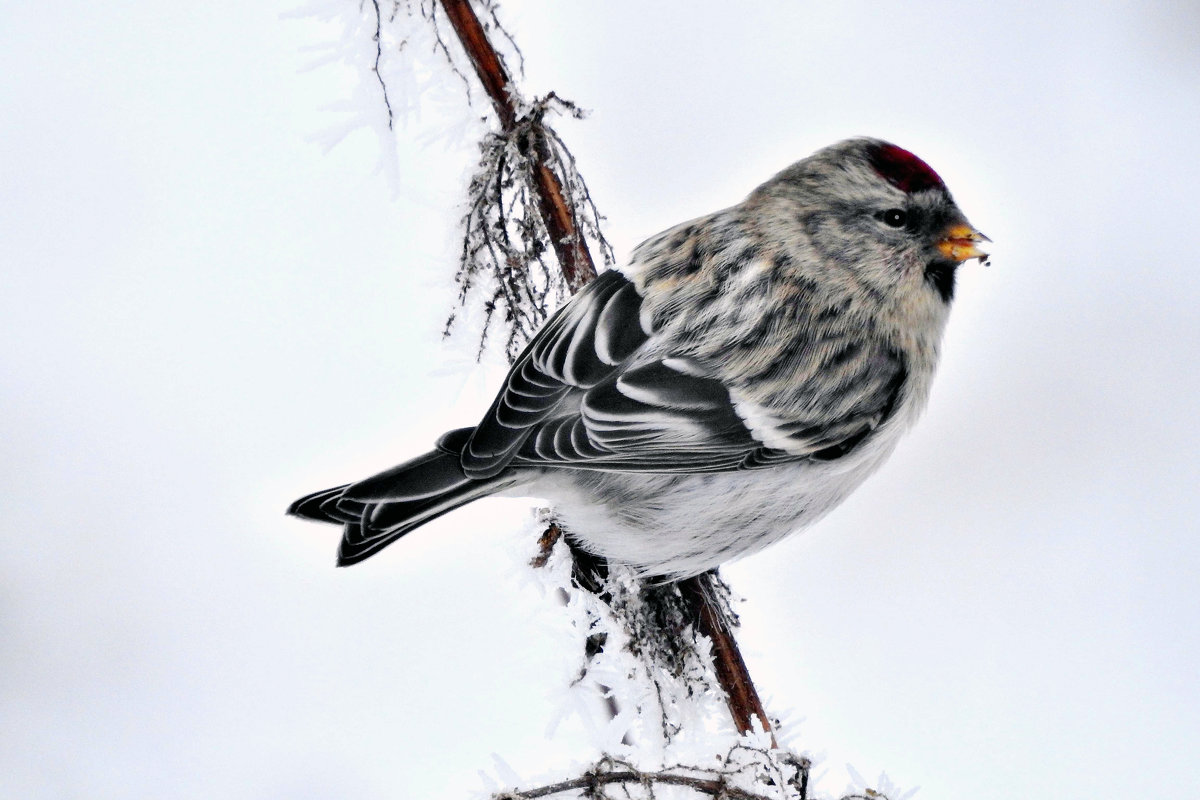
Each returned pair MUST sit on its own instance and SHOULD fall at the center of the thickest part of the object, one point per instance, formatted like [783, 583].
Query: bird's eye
[895, 217]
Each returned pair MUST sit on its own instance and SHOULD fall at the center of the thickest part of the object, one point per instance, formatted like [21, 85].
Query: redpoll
[737, 380]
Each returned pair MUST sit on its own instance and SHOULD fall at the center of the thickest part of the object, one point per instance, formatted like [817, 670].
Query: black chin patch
[940, 275]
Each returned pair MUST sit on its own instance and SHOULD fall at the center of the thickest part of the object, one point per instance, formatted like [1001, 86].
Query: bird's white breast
[681, 525]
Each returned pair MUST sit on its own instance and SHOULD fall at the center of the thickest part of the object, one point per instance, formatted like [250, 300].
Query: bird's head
[877, 215]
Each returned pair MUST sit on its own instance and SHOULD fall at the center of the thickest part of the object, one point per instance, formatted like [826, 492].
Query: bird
[729, 385]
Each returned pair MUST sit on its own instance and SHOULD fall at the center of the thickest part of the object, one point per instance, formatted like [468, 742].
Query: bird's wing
[581, 345]
[663, 417]
[667, 416]
[653, 418]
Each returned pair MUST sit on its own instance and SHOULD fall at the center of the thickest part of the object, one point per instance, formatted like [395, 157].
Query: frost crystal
[663, 725]
[506, 254]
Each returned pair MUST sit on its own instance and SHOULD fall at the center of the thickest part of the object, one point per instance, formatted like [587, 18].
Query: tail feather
[387, 522]
[424, 477]
[339, 509]
[311, 506]
[379, 510]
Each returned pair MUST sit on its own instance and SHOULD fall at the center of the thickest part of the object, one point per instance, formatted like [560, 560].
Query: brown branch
[713, 622]
[613, 771]
[578, 268]
[593, 780]
[573, 256]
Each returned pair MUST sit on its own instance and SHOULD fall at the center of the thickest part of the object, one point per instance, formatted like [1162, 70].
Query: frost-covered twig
[505, 228]
[557, 214]
[526, 139]
[525, 192]
[742, 768]
[641, 642]
[387, 101]
[592, 782]
[708, 596]
[746, 773]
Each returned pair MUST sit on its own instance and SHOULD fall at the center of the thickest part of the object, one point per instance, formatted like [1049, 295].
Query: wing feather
[657, 418]
[583, 344]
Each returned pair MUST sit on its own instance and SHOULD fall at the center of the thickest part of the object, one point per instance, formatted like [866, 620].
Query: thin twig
[589, 782]
[378, 37]
[714, 622]
[573, 256]
[578, 268]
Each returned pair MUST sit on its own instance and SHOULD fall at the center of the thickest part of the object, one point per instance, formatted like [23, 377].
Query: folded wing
[582, 396]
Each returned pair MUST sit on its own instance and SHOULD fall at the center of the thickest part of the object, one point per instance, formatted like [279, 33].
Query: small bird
[734, 382]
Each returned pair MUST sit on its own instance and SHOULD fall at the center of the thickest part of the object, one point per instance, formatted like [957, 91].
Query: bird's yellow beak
[961, 242]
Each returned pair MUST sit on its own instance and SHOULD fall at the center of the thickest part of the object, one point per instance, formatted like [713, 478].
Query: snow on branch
[742, 768]
[505, 232]
[527, 205]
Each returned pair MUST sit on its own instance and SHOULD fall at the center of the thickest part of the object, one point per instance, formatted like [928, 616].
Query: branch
[593, 780]
[578, 268]
[378, 38]
[720, 783]
[715, 623]
[573, 256]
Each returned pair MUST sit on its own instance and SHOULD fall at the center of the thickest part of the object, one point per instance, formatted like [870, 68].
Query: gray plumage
[733, 383]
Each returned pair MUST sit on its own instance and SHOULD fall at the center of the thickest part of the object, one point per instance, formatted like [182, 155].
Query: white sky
[204, 314]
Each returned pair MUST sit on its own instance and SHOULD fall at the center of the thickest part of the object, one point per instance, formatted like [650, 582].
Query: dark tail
[379, 510]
